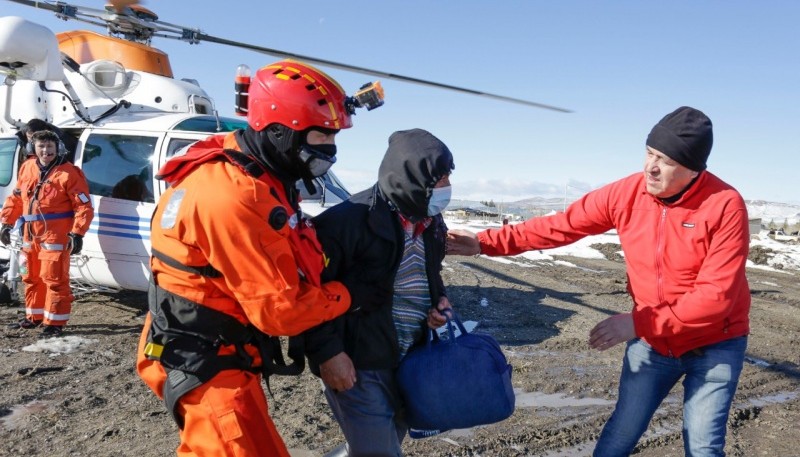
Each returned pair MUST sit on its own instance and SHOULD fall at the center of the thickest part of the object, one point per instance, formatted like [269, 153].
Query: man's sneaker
[25, 323]
[52, 330]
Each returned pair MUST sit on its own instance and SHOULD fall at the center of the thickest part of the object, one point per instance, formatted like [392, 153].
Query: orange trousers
[228, 416]
[48, 297]
[225, 417]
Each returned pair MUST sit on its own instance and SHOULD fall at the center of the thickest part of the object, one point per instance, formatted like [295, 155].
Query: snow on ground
[785, 254]
[62, 345]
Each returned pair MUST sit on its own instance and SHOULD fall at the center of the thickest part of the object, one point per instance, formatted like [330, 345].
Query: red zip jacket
[685, 260]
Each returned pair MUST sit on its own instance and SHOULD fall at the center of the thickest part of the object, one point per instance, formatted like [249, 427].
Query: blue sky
[620, 66]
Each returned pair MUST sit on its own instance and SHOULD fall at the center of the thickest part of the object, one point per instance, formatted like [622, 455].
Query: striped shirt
[412, 297]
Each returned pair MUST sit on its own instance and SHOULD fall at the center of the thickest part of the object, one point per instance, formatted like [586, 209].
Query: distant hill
[528, 207]
[771, 211]
[537, 206]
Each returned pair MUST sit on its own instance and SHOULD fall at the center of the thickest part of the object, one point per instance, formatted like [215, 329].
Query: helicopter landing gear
[5, 296]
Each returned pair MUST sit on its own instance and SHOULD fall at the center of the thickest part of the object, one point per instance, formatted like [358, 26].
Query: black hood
[260, 146]
[413, 164]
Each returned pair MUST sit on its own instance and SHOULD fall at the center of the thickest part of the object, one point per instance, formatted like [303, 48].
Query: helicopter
[122, 115]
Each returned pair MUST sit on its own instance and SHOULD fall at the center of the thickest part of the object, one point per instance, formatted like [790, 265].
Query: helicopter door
[8, 172]
[119, 170]
[8, 149]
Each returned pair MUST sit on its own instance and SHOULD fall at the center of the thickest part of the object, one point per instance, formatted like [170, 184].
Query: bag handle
[452, 318]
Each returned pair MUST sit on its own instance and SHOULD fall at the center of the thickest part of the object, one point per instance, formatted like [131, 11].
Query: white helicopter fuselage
[119, 153]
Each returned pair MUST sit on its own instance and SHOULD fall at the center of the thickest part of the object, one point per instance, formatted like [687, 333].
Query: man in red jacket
[685, 236]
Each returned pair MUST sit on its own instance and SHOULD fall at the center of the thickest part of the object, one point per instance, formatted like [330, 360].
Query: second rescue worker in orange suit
[51, 202]
[233, 259]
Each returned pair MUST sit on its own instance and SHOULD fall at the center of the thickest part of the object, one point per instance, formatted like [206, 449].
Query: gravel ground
[90, 402]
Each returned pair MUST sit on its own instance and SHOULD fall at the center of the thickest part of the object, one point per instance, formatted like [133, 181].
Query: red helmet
[297, 96]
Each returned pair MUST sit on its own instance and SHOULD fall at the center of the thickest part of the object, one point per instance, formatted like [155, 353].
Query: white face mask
[440, 198]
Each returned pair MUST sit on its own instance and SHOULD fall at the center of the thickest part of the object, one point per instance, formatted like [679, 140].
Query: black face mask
[317, 158]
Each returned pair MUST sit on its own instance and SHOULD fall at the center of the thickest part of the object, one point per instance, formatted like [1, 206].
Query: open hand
[612, 331]
[462, 242]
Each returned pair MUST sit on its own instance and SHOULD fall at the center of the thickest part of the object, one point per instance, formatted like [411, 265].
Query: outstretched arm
[462, 242]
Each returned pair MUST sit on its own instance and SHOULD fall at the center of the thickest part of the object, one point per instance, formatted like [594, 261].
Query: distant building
[755, 226]
[470, 213]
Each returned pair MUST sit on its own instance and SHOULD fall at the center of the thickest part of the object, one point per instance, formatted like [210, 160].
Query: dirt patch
[610, 250]
[90, 403]
[760, 255]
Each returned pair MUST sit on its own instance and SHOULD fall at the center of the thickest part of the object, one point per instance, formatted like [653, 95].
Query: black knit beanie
[685, 136]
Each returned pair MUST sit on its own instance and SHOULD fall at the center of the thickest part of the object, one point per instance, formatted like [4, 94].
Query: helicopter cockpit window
[328, 190]
[176, 145]
[120, 166]
[7, 148]
[209, 124]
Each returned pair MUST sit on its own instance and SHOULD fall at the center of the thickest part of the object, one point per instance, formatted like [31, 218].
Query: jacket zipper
[660, 255]
[660, 261]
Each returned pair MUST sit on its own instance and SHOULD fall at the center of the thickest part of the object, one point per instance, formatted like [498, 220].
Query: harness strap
[206, 270]
[46, 217]
[40, 217]
[180, 382]
[272, 356]
[247, 163]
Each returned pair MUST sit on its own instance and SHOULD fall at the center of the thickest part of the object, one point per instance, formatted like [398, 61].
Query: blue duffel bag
[458, 382]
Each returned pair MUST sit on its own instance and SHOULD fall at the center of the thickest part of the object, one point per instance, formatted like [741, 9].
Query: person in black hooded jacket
[386, 245]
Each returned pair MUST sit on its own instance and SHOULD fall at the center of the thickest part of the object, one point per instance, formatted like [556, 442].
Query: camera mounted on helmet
[369, 96]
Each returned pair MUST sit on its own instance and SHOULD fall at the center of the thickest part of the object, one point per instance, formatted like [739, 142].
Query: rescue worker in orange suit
[52, 208]
[234, 263]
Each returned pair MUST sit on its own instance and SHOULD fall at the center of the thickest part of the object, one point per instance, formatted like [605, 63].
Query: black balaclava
[277, 147]
[414, 162]
[273, 147]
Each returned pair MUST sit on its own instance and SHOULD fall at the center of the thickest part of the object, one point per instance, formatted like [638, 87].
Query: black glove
[5, 234]
[77, 243]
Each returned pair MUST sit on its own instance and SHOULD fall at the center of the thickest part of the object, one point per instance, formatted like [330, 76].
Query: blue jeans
[367, 414]
[710, 377]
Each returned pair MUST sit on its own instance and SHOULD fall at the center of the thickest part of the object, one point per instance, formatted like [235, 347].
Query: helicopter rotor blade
[64, 10]
[146, 28]
[382, 74]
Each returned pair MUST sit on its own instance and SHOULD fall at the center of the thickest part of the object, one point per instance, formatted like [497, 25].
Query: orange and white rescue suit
[47, 205]
[231, 259]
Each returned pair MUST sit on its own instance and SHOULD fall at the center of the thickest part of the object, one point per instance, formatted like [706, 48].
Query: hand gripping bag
[458, 382]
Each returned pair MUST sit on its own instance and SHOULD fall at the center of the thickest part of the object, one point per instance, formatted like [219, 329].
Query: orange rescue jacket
[215, 213]
[64, 190]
